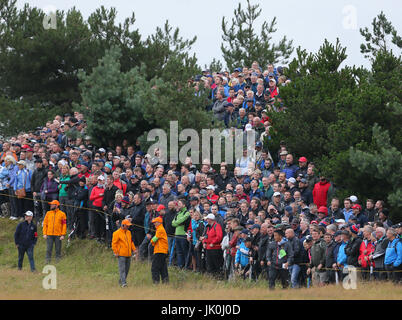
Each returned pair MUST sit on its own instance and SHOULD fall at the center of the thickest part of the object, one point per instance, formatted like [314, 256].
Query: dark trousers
[57, 243]
[182, 248]
[159, 268]
[13, 203]
[82, 223]
[379, 275]
[146, 249]
[24, 204]
[21, 254]
[138, 235]
[38, 207]
[214, 261]
[70, 212]
[100, 224]
[274, 273]
[394, 273]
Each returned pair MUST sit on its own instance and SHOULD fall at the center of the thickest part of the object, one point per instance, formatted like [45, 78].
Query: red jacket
[233, 244]
[97, 196]
[213, 199]
[320, 193]
[365, 251]
[121, 185]
[214, 236]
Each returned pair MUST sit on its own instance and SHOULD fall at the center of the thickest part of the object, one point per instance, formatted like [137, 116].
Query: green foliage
[16, 116]
[384, 163]
[377, 40]
[113, 101]
[241, 45]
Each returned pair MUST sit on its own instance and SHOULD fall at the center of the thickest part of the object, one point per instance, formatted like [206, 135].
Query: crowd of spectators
[266, 216]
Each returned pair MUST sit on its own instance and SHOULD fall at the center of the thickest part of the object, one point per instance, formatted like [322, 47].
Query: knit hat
[354, 229]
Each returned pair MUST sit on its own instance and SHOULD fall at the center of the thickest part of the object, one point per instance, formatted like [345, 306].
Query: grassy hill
[88, 270]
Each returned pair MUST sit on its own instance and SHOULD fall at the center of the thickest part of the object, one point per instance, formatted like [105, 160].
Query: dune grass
[88, 270]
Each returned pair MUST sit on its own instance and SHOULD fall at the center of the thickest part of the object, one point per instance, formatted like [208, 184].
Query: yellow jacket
[54, 223]
[122, 245]
[160, 241]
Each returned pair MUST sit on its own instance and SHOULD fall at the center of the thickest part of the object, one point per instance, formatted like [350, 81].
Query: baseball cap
[160, 207]
[292, 180]
[340, 221]
[277, 194]
[29, 213]
[256, 226]
[126, 222]
[357, 206]
[210, 216]
[157, 219]
[125, 199]
[302, 159]
[283, 153]
[55, 202]
[210, 188]
[353, 198]
[101, 177]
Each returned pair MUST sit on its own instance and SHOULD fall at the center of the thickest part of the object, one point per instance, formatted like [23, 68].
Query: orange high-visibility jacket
[122, 245]
[160, 241]
[54, 223]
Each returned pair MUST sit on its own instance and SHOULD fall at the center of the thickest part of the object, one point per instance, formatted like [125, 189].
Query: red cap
[323, 209]
[302, 159]
[357, 206]
[160, 207]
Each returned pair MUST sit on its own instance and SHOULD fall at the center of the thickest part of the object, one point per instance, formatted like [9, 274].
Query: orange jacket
[54, 223]
[160, 241]
[122, 245]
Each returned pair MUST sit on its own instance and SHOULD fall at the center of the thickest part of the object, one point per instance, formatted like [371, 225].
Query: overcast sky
[307, 22]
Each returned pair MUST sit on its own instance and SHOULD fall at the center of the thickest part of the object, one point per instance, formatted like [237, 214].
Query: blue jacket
[242, 255]
[342, 257]
[258, 193]
[289, 170]
[194, 226]
[3, 177]
[12, 173]
[393, 253]
[347, 214]
[26, 234]
[23, 177]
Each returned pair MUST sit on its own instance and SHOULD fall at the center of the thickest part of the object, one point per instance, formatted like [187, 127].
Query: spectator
[377, 257]
[317, 264]
[180, 223]
[25, 238]
[393, 256]
[159, 268]
[54, 230]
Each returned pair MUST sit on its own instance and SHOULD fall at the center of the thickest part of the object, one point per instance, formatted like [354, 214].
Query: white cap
[101, 177]
[102, 150]
[210, 188]
[353, 198]
[248, 127]
[292, 180]
[29, 213]
[277, 194]
[339, 221]
[21, 162]
[210, 216]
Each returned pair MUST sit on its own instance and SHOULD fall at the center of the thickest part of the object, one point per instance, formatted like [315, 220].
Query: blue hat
[250, 222]
[237, 69]
[353, 228]
[247, 180]
[245, 231]
[258, 144]
[126, 199]
[108, 165]
[289, 209]
[256, 226]
[83, 163]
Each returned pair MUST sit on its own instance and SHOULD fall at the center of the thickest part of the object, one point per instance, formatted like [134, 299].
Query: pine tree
[241, 45]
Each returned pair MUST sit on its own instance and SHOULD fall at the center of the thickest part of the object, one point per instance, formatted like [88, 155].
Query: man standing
[38, 176]
[212, 244]
[279, 257]
[54, 230]
[393, 256]
[123, 248]
[294, 268]
[317, 263]
[25, 238]
[179, 222]
[159, 241]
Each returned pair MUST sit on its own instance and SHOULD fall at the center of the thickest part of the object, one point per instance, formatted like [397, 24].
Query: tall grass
[88, 270]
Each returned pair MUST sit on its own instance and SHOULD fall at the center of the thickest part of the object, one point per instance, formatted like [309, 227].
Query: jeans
[182, 250]
[274, 273]
[21, 254]
[57, 243]
[294, 271]
[124, 267]
[171, 245]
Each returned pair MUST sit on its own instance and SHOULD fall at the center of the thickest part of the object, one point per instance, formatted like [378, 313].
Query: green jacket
[62, 187]
[178, 222]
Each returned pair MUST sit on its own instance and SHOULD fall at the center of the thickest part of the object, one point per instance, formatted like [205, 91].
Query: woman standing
[23, 182]
[49, 191]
